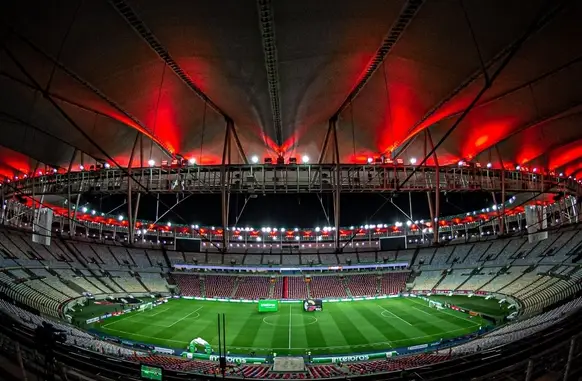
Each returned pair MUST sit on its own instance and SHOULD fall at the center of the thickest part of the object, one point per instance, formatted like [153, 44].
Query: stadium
[273, 189]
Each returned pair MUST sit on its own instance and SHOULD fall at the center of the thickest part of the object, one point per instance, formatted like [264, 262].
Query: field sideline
[346, 327]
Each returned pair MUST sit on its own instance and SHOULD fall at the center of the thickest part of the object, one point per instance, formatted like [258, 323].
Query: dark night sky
[295, 210]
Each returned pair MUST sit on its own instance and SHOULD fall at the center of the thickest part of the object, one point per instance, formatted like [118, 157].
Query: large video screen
[311, 305]
[268, 305]
[151, 373]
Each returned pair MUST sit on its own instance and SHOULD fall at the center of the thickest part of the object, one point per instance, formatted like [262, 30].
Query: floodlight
[461, 163]
[151, 162]
[489, 165]
[370, 160]
[107, 165]
[192, 161]
[305, 159]
[93, 212]
[412, 160]
[81, 167]
[120, 218]
[517, 167]
[169, 224]
[255, 159]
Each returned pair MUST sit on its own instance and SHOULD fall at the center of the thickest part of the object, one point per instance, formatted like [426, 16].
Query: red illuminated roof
[112, 83]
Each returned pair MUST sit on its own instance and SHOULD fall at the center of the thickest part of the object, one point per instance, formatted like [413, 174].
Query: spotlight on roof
[93, 212]
[489, 165]
[370, 160]
[81, 167]
[120, 218]
[517, 167]
[255, 159]
[535, 169]
[151, 162]
[192, 161]
[84, 209]
[412, 160]
[461, 163]
[305, 159]
[107, 165]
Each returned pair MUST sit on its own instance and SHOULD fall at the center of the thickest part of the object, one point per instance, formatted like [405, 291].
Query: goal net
[437, 305]
[146, 306]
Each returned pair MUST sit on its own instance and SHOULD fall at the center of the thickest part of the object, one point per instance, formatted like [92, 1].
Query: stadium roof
[81, 79]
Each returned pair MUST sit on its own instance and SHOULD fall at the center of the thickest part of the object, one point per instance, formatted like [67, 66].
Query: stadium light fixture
[107, 165]
[169, 224]
[240, 237]
[461, 163]
[412, 160]
[305, 159]
[535, 169]
[120, 217]
[93, 212]
[317, 229]
[84, 209]
[297, 238]
[370, 160]
[255, 159]
[296, 229]
[81, 167]
[517, 167]
[151, 162]
[408, 223]
[192, 161]
[258, 239]
[489, 165]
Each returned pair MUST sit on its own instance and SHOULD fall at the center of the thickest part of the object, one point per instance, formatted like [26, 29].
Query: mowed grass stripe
[350, 332]
[382, 329]
[252, 325]
[312, 333]
[459, 318]
[340, 327]
[428, 324]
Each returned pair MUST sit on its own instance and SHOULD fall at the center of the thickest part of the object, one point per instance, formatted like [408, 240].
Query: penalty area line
[393, 314]
[191, 313]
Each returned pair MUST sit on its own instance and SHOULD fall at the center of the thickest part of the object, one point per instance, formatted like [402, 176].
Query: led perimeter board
[151, 373]
[268, 305]
[311, 305]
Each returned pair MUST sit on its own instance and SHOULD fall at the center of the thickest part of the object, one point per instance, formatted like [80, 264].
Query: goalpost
[146, 306]
[437, 305]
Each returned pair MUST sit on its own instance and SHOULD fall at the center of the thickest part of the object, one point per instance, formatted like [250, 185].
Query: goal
[146, 306]
[437, 305]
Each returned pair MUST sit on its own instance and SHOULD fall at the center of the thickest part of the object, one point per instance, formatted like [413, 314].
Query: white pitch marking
[393, 314]
[450, 314]
[191, 313]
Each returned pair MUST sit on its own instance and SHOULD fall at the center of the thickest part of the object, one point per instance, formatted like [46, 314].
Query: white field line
[304, 348]
[159, 312]
[393, 314]
[289, 326]
[191, 313]
[130, 315]
[448, 313]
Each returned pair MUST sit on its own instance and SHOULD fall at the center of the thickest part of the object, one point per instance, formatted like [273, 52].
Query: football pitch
[345, 327]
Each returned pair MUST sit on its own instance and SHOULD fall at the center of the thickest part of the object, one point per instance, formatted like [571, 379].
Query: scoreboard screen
[311, 305]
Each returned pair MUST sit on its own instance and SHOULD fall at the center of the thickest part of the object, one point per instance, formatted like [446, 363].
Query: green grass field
[346, 327]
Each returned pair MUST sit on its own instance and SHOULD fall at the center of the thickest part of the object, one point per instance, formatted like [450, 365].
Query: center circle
[297, 322]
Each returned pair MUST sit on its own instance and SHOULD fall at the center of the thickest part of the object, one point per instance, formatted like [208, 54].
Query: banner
[229, 359]
[268, 305]
[353, 358]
